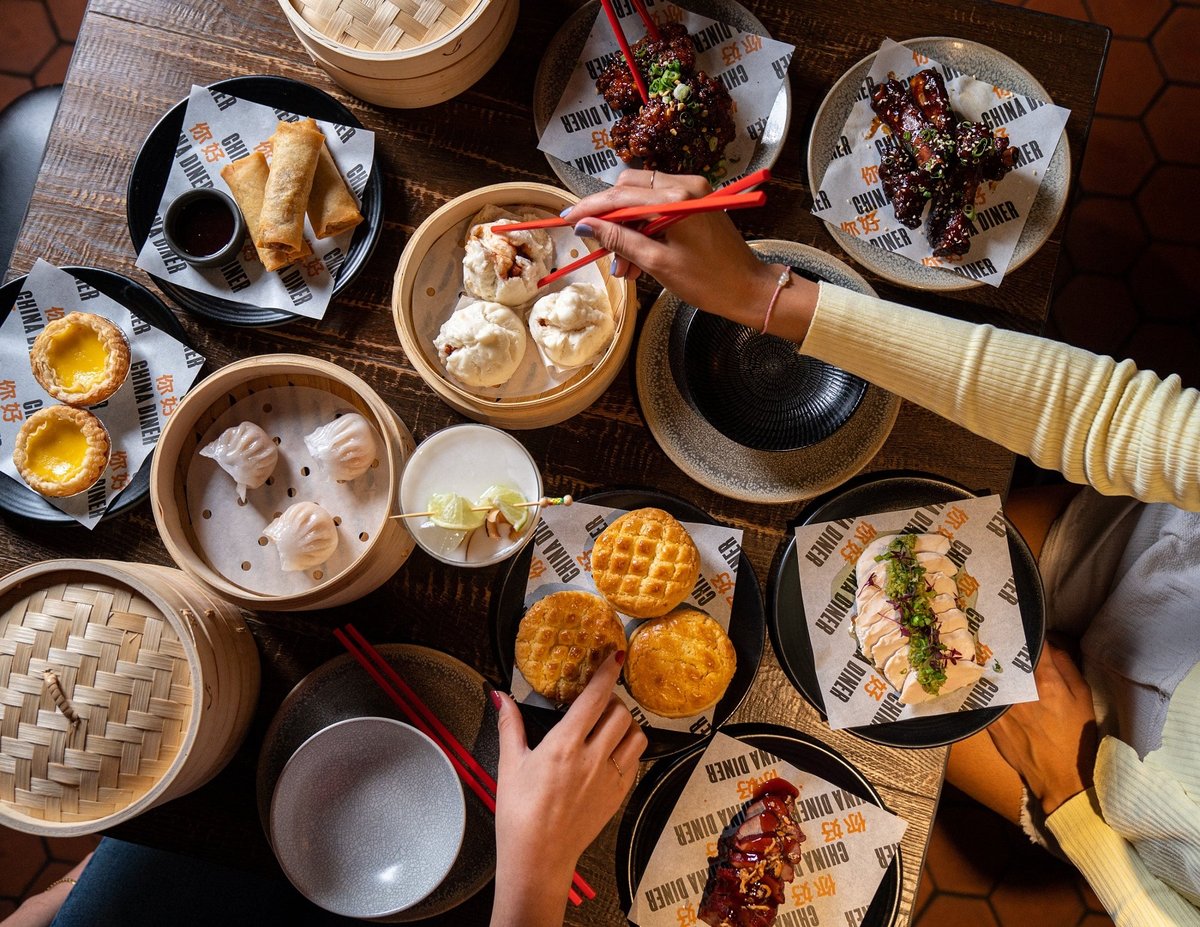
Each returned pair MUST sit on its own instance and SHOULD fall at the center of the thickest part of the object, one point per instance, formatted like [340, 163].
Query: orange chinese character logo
[1000, 132]
[264, 147]
[686, 916]
[920, 60]
[600, 140]
[752, 43]
[118, 482]
[168, 404]
[213, 152]
[54, 313]
[165, 384]
[119, 460]
[201, 132]
[831, 830]
[870, 222]
[968, 585]
[537, 566]
[722, 583]
[876, 688]
[12, 412]
[850, 227]
[851, 552]
[802, 894]
[1001, 93]
[865, 532]
[931, 261]
[249, 252]
[826, 887]
[8, 389]
[314, 266]
[731, 53]
[870, 174]
[956, 517]
[855, 823]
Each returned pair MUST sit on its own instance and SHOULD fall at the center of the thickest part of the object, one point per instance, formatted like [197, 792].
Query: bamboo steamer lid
[387, 545]
[553, 406]
[119, 690]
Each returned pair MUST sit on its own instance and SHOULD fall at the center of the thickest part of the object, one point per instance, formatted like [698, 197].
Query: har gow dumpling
[505, 268]
[481, 344]
[246, 453]
[574, 325]
[345, 448]
[305, 536]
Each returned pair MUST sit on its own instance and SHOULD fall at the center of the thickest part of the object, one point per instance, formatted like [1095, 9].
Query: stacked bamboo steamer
[122, 686]
[403, 53]
[389, 543]
[554, 406]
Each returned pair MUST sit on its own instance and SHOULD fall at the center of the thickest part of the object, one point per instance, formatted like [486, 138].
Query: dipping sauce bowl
[204, 227]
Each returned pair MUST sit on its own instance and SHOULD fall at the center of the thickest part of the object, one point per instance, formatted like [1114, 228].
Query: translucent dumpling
[344, 448]
[246, 453]
[304, 535]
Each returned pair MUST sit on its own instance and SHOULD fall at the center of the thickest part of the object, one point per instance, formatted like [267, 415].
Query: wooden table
[136, 58]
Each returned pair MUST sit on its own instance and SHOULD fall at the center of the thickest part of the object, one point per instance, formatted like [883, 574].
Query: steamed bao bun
[481, 344]
[574, 325]
[505, 268]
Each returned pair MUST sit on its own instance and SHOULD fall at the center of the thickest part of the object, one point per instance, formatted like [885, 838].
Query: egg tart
[80, 359]
[61, 451]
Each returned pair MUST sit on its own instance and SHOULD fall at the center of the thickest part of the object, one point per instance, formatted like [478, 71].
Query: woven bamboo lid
[384, 25]
[96, 698]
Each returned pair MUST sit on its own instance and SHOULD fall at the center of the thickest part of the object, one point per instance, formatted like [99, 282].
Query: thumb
[623, 241]
[511, 726]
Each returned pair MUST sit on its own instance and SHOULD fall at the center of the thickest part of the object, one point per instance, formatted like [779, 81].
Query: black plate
[153, 165]
[17, 498]
[789, 632]
[745, 623]
[341, 689]
[759, 390]
[656, 795]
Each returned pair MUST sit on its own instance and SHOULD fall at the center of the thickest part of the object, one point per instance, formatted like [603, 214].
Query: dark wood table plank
[136, 58]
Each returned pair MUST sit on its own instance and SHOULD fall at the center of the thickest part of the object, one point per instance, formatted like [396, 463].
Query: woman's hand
[553, 801]
[1051, 743]
[702, 259]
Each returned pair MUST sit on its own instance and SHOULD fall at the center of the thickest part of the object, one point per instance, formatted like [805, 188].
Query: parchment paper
[160, 373]
[849, 842]
[851, 195]
[217, 129]
[855, 693]
[562, 558]
[752, 67]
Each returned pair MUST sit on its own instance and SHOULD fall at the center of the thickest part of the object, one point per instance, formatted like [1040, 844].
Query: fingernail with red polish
[620, 657]
[495, 696]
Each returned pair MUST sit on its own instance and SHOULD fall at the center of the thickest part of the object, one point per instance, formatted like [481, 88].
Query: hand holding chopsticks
[473, 775]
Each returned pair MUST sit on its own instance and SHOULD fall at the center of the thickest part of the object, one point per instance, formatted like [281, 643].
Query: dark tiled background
[1128, 284]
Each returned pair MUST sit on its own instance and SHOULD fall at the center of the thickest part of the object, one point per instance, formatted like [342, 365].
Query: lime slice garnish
[509, 502]
[452, 511]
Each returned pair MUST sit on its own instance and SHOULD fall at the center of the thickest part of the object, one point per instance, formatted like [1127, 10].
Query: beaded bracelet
[785, 280]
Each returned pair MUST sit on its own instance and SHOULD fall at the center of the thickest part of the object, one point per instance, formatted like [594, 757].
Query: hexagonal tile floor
[1127, 286]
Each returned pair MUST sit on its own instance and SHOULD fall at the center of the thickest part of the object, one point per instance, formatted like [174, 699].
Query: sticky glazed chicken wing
[674, 47]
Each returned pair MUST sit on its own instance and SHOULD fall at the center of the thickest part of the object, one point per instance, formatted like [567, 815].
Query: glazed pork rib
[909, 622]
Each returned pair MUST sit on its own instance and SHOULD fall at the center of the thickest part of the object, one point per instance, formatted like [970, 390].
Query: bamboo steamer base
[162, 678]
[442, 82]
[552, 407]
[177, 448]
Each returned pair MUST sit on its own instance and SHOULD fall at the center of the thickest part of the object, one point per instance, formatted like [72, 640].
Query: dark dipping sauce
[203, 226]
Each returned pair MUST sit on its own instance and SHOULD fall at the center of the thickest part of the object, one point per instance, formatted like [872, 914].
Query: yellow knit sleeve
[1097, 421]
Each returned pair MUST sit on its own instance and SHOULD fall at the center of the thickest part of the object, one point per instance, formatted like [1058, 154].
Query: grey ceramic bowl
[203, 205]
[368, 817]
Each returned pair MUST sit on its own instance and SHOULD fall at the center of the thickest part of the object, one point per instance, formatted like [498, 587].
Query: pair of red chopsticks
[473, 775]
[651, 28]
[732, 196]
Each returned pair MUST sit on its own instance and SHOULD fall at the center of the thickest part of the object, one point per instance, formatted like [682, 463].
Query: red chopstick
[710, 203]
[657, 225]
[479, 780]
[647, 21]
[625, 49]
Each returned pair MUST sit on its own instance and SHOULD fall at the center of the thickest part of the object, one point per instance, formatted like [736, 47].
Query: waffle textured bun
[645, 563]
[679, 665]
[562, 639]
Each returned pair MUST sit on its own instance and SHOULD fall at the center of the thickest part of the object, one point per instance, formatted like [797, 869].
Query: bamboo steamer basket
[549, 408]
[382, 51]
[381, 557]
[122, 686]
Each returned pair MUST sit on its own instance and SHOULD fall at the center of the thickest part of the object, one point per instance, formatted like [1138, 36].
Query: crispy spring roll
[247, 179]
[294, 152]
[331, 206]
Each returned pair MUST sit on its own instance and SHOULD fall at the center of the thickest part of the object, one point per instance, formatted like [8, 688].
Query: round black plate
[16, 498]
[656, 795]
[759, 390]
[789, 633]
[153, 164]
[745, 623]
[341, 689]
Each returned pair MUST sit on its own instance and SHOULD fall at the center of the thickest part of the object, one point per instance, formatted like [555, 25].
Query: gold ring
[652, 176]
[616, 766]
[60, 882]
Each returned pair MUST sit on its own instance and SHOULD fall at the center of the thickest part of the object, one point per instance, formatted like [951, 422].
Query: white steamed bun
[574, 325]
[506, 268]
[481, 344]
